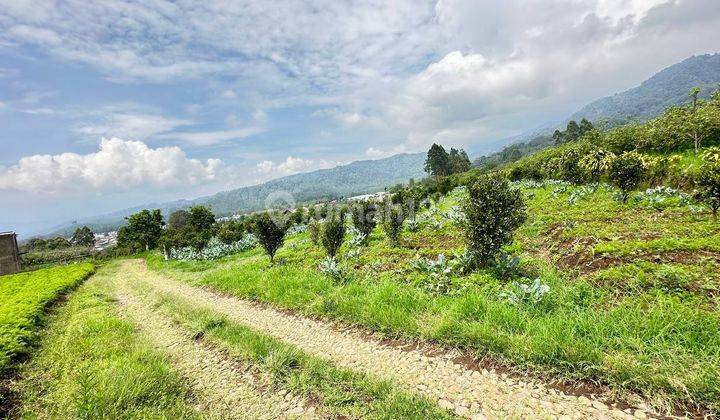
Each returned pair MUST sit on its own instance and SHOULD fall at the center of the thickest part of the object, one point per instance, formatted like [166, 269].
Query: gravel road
[468, 392]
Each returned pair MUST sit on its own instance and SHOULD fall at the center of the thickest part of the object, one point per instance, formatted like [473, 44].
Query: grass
[645, 320]
[340, 392]
[93, 364]
[23, 299]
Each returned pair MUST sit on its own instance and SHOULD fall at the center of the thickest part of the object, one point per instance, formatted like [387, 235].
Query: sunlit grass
[652, 330]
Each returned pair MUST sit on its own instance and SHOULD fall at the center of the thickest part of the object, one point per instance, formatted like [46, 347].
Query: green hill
[668, 87]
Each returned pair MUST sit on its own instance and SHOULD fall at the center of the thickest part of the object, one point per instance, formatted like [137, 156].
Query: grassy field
[93, 364]
[633, 299]
[23, 299]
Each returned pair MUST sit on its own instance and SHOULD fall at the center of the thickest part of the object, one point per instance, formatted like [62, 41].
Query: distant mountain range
[356, 178]
[670, 86]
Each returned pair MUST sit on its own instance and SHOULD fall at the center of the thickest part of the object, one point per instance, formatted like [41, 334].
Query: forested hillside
[668, 87]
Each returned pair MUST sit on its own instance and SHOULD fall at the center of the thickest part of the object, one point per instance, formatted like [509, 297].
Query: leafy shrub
[230, 231]
[413, 225]
[626, 172]
[363, 217]
[438, 271]
[570, 167]
[35, 259]
[83, 236]
[357, 238]
[393, 223]
[315, 228]
[333, 233]
[525, 293]
[594, 164]
[463, 262]
[708, 181]
[506, 266]
[331, 268]
[580, 193]
[494, 211]
[270, 233]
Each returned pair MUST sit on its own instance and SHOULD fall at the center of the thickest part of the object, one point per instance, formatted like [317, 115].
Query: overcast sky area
[106, 105]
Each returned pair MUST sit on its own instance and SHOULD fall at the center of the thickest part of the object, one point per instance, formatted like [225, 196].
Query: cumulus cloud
[408, 70]
[291, 165]
[118, 165]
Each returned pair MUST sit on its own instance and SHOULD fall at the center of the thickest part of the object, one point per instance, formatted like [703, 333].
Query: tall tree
[459, 161]
[437, 162]
[585, 127]
[558, 137]
[178, 219]
[572, 131]
[142, 231]
[83, 237]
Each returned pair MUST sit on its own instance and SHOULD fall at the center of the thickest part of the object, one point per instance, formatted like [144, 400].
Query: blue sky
[110, 104]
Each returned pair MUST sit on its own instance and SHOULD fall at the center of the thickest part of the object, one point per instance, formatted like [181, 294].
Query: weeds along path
[468, 393]
[223, 388]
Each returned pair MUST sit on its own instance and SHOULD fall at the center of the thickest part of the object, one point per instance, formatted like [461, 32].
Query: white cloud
[206, 138]
[259, 116]
[118, 165]
[139, 126]
[35, 35]
[291, 165]
[228, 94]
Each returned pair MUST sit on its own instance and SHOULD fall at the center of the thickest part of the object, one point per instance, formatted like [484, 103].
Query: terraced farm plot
[632, 306]
[23, 300]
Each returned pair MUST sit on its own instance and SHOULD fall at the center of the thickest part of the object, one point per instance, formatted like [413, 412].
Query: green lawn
[633, 299]
[23, 299]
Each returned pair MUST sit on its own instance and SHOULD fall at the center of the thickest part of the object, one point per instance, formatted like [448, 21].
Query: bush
[269, 232]
[363, 217]
[708, 181]
[330, 267]
[315, 228]
[570, 167]
[231, 231]
[333, 233]
[626, 172]
[525, 293]
[393, 223]
[493, 211]
[595, 164]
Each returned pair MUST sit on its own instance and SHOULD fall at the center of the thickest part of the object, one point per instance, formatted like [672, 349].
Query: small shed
[9, 253]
